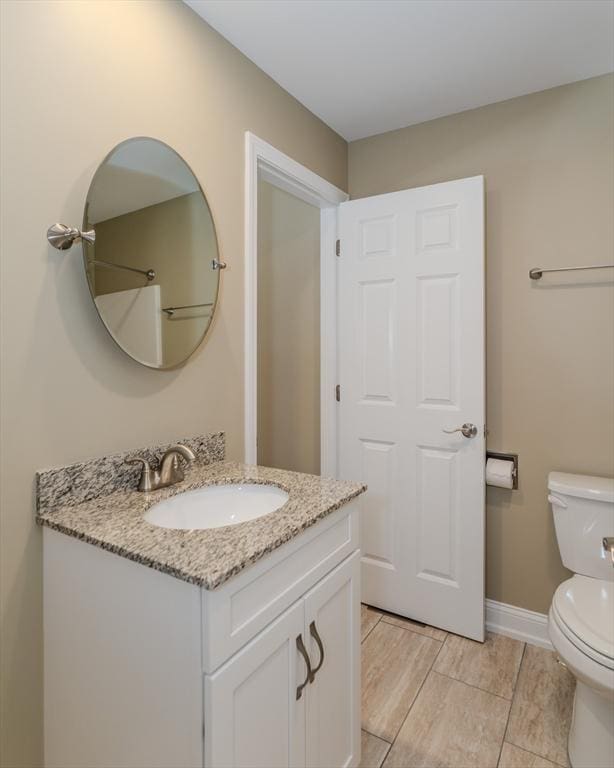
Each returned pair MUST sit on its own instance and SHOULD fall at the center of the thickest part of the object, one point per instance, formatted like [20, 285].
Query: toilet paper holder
[513, 457]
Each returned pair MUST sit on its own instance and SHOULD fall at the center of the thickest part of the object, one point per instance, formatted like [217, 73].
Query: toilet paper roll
[500, 473]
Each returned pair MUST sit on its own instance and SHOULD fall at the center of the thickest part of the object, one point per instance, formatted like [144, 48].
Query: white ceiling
[369, 66]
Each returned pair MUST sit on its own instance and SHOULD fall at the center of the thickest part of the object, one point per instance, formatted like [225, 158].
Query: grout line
[386, 742]
[407, 629]
[386, 616]
[535, 754]
[515, 691]
[381, 765]
[485, 690]
[375, 736]
[414, 631]
[367, 635]
[476, 687]
[530, 752]
[509, 714]
[411, 631]
[415, 699]
[392, 615]
[517, 675]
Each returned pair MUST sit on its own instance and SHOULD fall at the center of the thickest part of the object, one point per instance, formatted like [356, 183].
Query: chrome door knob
[468, 430]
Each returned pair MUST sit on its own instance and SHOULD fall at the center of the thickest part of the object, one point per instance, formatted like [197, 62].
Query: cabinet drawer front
[239, 609]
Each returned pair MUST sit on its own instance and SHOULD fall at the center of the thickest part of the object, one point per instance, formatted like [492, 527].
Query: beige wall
[176, 239]
[288, 331]
[549, 167]
[77, 78]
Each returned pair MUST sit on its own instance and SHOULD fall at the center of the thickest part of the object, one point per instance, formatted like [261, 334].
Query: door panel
[411, 365]
[252, 717]
[379, 469]
[333, 699]
[377, 305]
[437, 336]
[437, 483]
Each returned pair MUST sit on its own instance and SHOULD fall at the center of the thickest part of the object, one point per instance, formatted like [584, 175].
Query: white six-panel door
[411, 365]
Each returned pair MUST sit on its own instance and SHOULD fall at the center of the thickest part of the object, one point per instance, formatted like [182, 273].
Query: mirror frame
[84, 246]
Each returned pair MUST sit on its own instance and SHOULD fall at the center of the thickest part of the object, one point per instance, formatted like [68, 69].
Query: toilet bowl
[581, 617]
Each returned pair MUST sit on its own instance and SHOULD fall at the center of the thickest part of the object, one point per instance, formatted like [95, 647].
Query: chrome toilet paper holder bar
[513, 457]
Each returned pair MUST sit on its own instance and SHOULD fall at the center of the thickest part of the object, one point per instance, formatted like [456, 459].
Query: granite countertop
[210, 557]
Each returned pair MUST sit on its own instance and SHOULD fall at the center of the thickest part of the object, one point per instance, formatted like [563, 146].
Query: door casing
[263, 161]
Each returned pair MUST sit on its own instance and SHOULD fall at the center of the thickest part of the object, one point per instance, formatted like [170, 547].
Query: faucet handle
[148, 479]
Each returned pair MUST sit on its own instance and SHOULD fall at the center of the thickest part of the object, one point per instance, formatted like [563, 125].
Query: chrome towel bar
[170, 311]
[537, 272]
[149, 273]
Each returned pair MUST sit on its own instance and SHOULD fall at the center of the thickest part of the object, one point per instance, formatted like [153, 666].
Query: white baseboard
[528, 626]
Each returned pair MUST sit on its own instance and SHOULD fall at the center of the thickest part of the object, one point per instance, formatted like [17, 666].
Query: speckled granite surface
[206, 558]
[92, 479]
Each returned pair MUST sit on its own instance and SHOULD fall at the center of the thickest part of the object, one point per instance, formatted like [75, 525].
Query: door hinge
[338, 248]
[338, 393]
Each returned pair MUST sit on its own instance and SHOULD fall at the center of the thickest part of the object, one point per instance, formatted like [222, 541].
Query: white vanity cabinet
[143, 669]
[263, 708]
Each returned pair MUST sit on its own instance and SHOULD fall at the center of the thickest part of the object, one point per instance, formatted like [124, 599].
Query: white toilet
[581, 618]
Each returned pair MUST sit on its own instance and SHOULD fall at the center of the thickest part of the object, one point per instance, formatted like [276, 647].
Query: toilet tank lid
[583, 486]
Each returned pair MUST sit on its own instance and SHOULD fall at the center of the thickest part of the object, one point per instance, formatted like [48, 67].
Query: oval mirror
[153, 268]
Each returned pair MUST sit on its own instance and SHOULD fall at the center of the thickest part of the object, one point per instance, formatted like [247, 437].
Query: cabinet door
[252, 716]
[332, 616]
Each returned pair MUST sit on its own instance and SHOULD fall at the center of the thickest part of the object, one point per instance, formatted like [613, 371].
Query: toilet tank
[583, 509]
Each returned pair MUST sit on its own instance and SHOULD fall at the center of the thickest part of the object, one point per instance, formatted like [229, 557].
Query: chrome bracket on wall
[62, 237]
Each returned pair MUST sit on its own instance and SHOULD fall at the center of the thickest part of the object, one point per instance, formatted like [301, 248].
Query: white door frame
[264, 161]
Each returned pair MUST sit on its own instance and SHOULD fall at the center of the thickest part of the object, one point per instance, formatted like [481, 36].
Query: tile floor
[431, 699]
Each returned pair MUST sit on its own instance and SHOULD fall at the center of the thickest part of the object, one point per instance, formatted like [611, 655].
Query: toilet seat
[583, 609]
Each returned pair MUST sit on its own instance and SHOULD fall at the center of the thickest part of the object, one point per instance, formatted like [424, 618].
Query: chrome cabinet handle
[309, 679]
[314, 633]
[608, 546]
[468, 430]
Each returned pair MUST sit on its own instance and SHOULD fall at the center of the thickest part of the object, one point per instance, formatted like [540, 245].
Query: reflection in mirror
[152, 268]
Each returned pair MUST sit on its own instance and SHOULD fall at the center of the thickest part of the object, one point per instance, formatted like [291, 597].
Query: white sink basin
[216, 506]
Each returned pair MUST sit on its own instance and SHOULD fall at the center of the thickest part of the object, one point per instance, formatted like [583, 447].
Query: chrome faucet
[170, 468]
